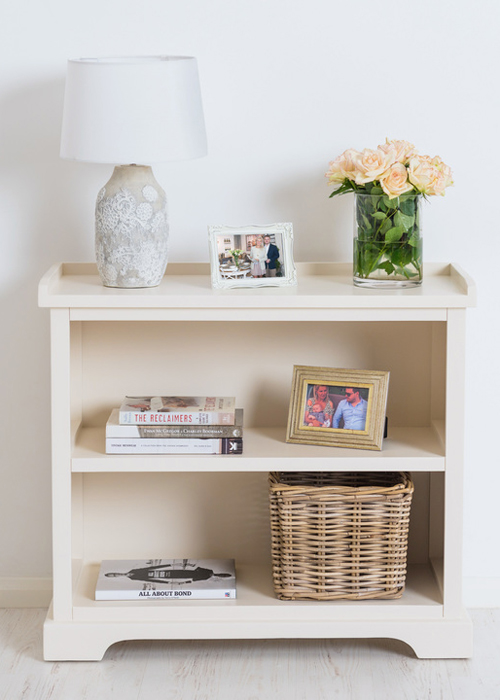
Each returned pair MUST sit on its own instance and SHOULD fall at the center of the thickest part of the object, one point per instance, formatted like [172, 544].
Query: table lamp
[132, 112]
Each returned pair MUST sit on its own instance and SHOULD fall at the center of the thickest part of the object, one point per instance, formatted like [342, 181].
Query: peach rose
[425, 176]
[444, 169]
[342, 168]
[404, 149]
[371, 165]
[394, 181]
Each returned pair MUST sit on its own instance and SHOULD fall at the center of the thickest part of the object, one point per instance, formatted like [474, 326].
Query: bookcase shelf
[255, 596]
[407, 449]
[186, 338]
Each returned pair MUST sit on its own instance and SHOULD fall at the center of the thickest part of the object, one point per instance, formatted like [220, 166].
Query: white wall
[286, 87]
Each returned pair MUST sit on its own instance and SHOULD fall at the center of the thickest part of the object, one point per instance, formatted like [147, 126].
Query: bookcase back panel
[254, 362]
[176, 515]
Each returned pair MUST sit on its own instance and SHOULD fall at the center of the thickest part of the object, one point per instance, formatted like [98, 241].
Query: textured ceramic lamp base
[131, 229]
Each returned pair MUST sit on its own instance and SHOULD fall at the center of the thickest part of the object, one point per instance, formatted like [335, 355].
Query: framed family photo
[338, 407]
[252, 256]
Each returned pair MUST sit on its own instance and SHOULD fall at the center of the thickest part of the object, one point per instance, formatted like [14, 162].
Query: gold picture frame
[338, 407]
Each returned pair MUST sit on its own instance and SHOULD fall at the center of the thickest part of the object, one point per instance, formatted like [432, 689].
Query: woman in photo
[319, 408]
[258, 258]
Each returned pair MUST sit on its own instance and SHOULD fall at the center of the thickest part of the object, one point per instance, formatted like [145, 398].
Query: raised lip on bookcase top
[337, 290]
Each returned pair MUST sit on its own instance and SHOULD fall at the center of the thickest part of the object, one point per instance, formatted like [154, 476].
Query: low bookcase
[185, 338]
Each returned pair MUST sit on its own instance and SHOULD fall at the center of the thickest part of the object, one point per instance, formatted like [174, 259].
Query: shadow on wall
[40, 193]
[36, 213]
[322, 227]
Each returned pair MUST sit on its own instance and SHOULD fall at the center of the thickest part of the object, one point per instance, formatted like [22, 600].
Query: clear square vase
[387, 240]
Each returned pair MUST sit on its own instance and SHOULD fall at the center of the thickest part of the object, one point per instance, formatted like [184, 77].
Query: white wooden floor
[246, 670]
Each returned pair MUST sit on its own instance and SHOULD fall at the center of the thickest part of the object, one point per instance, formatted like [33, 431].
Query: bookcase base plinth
[89, 641]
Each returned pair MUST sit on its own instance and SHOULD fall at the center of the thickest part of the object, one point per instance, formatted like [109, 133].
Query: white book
[174, 446]
[166, 579]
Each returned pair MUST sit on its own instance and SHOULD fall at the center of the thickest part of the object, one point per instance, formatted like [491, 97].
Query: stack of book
[175, 425]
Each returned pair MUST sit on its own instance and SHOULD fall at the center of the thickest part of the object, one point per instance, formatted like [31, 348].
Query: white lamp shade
[126, 110]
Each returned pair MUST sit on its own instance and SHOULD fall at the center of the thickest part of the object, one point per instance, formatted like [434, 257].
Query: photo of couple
[252, 256]
[249, 255]
[337, 407]
[264, 256]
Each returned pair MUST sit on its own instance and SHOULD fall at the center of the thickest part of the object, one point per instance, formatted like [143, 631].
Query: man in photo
[352, 410]
[272, 255]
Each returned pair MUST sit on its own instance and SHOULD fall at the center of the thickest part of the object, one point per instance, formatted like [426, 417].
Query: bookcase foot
[70, 641]
[443, 639]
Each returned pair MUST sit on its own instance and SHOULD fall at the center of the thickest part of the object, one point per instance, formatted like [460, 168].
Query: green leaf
[386, 226]
[366, 221]
[387, 266]
[346, 186]
[379, 215]
[404, 220]
[408, 206]
[394, 234]
[390, 203]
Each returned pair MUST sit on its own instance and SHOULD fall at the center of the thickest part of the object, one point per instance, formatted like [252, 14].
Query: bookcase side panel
[455, 426]
[438, 371]
[61, 459]
[76, 372]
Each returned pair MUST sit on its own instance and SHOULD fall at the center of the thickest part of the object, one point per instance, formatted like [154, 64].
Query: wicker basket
[339, 535]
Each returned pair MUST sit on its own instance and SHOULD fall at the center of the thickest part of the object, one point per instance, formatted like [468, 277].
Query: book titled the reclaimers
[177, 410]
[166, 579]
[114, 429]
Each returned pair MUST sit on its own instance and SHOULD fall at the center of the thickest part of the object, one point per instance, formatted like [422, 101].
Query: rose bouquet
[389, 183]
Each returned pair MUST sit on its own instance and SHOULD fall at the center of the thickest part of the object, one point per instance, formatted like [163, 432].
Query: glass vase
[387, 240]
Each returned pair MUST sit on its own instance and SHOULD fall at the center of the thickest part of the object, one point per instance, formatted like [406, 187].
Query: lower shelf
[416, 618]
[255, 596]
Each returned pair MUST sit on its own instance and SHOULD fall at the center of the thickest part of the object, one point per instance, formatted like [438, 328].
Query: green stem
[375, 264]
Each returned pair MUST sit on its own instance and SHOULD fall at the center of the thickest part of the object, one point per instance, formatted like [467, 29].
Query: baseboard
[478, 592]
[25, 592]
[481, 592]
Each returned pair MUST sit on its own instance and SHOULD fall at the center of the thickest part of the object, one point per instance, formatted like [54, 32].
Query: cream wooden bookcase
[185, 338]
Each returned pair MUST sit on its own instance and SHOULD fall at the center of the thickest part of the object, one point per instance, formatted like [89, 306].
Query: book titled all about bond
[177, 410]
[166, 579]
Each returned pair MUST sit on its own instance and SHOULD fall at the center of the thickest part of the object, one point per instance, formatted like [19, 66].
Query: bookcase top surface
[320, 286]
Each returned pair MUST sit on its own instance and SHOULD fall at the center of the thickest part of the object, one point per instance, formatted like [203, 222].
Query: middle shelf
[264, 449]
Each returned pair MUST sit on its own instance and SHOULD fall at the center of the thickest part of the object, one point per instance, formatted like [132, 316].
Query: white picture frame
[225, 241]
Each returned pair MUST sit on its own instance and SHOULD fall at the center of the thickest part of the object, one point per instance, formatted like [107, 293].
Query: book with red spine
[177, 410]
[116, 430]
